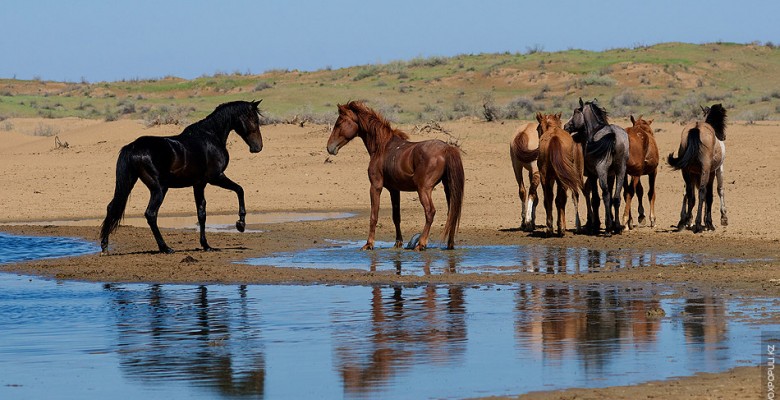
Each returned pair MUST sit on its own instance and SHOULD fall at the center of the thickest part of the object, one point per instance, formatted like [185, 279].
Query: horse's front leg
[225, 183]
[651, 196]
[395, 199]
[375, 194]
[708, 225]
[533, 200]
[200, 203]
[724, 219]
[430, 211]
[620, 177]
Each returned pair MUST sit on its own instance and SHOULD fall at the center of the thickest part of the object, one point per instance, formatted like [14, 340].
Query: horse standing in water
[560, 162]
[524, 150]
[700, 158]
[642, 160]
[196, 157]
[606, 153]
[400, 165]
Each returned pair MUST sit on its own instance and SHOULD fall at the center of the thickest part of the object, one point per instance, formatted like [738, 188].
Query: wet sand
[294, 174]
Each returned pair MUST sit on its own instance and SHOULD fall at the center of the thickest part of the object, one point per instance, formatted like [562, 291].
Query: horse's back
[524, 146]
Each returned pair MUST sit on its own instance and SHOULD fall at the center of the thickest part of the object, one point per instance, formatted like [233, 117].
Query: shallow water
[85, 340]
[16, 248]
[478, 259]
[214, 223]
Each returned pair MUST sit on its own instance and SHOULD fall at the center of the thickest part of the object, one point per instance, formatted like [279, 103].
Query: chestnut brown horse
[400, 165]
[642, 160]
[561, 163]
[524, 150]
[700, 158]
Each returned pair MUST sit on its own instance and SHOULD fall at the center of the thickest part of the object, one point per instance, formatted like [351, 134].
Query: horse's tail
[691, 152]
[563, 166]
[454, 181]
[126, 177]
[600, 148]
[519, 149]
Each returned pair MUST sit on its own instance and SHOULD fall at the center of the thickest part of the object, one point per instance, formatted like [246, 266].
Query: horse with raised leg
[400, 165]
[196, 157]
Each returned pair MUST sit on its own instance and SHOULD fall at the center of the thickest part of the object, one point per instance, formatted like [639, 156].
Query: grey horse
[605, 149]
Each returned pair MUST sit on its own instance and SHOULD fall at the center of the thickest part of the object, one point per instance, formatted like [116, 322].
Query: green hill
[667, 81]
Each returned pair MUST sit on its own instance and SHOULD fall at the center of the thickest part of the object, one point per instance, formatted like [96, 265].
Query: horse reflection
[408, 327]
[554, 321]
[447, 262]
[166, 337]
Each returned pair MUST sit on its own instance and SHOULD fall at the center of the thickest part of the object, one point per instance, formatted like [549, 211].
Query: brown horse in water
[700, 158]
[560, 162]
[400, 165]
[524, 150]
[642, 160]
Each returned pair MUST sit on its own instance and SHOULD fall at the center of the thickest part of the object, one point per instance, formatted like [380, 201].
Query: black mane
[600, 113]
[716, 118]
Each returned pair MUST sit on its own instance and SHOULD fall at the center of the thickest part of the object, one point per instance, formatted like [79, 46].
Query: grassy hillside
[666, 81]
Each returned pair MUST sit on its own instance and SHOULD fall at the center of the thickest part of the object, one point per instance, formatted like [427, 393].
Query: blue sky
[113, 40]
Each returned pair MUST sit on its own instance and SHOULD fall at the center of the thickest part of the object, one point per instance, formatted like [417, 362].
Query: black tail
[126, 177]
[691, 152]
[601, 147]
[454, 181]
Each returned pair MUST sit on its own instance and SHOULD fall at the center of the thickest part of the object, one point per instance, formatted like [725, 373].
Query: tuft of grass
[45, 130]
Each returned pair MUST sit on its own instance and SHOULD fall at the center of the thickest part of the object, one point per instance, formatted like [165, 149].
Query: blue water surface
[16, 248]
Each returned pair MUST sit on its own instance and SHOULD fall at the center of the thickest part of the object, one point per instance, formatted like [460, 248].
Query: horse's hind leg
[395, 200]
[708, 206]
[200, 203]
[155, 201]
[724, 219]
[640, 192]
[226, 183]
[430, 211]
[523, 193]
[702, 183]
[547, 191]
[628, 195]
[533, 201]
[560, 204]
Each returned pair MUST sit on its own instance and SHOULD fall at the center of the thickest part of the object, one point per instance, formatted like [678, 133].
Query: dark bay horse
[524, 150]
[400, 165]
[560, 163]
[605, 148]
[700, 157]
[642, 160]
[196, 157]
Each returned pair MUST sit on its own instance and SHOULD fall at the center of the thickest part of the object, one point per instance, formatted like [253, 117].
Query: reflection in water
[425, 326]
[85, 341]
[478, 259]
[189, 337]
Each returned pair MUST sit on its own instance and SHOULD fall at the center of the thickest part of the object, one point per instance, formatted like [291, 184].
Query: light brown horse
[642, 160]
[560, 162]
[524, 150]
[700, 158]
[400, 165]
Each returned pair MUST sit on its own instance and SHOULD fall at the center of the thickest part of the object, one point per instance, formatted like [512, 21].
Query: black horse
[196, 157]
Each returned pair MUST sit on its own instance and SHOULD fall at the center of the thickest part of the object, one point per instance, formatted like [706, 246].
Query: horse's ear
[633, 121]
[558, 116]
[255, 104]
[581, 103]
[649, 121]
[538, 117]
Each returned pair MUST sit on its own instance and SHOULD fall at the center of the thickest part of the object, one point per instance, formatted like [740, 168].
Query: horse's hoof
[641, 220]
[104, 253]
[210, 249]
[166, 250]
[724, 221]
[607, 233]
[709, 227]
[420, 247]
[367, 246]
[697, 229]
[398, 244]
[240, 225]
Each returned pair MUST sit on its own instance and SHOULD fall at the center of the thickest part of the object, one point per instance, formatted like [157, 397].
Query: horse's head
[576, 124]
[248, 127]
[344, 130]
[642, 124]
[547, 122]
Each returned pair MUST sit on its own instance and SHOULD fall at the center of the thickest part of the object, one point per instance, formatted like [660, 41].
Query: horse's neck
[377, 142]
[213, 129]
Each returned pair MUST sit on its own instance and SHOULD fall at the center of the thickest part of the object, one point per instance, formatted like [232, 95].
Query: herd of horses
[587, 154]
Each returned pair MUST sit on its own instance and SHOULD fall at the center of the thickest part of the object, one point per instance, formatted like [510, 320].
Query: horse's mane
[716, 118]
[377, 127]
[219, 117]
[602, 117]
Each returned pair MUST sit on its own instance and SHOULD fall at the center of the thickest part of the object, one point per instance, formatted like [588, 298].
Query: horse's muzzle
[333, 149]
[256, 149]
